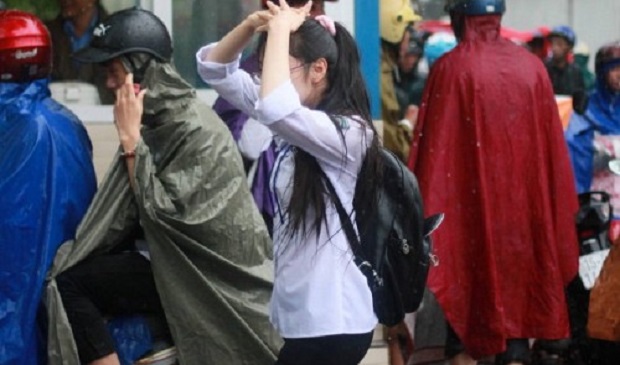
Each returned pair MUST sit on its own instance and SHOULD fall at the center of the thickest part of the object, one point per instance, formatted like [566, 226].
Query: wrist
[279, 25]
[129, 142]
[248, 24]
[127, 154]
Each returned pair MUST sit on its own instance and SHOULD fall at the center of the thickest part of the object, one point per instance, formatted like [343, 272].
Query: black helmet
[128, 31]
[476, 7]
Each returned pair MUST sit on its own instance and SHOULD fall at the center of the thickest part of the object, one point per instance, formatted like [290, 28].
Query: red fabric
[489, 152]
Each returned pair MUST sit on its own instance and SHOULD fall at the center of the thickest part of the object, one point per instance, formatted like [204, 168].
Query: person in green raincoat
[581, 54]
[204, 258]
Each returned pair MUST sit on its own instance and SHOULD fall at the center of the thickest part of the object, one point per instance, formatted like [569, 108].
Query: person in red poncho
[489, 151]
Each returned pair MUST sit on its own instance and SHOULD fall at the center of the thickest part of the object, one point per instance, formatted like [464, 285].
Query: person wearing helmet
[588, 134]
[178, 180]
[71, 31]
[47, 183]
[408, 81]
[437, 45]
[538, 44]
[396, 17]
[581, 59]
[565, 76]
[592, 139]
[477, 152]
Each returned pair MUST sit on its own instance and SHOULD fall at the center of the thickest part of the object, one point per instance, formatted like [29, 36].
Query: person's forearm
[276, 61]
[233, 43]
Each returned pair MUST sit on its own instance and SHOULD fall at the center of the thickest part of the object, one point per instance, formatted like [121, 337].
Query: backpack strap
[362, 263]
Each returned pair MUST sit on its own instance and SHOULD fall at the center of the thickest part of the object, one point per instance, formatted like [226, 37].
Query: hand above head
[286, 16]
[128, 111]
[259, 19]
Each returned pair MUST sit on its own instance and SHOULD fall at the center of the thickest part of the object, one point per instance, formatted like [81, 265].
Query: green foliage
[44, 9]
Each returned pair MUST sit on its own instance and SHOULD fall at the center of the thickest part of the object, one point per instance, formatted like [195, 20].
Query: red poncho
[489, 152]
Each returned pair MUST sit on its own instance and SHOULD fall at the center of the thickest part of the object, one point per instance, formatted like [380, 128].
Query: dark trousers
[108, 285]
[327, 350]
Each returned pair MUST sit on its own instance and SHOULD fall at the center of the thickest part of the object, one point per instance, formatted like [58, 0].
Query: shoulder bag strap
[356, 246]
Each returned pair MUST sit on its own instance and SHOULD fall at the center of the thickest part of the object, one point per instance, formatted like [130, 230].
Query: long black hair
[345, 96]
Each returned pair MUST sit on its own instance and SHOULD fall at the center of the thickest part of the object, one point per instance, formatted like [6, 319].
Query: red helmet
[25, 47]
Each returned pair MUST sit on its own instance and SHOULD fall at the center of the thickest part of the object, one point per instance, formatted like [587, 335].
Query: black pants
[328, 350]
[108, 285]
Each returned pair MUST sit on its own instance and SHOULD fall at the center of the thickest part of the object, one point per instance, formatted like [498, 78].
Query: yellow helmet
[396, 15]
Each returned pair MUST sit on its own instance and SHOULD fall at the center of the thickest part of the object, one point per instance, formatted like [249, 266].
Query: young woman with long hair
[318, 109]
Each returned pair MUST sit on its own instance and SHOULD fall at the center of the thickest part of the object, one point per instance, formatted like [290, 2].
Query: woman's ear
[318, 70]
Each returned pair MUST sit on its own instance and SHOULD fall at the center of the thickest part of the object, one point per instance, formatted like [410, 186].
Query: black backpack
[394, 246]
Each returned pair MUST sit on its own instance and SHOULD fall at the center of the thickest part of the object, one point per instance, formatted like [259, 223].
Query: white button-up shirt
[318, 290]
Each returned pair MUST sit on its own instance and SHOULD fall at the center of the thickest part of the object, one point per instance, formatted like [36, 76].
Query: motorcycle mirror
[614, 166]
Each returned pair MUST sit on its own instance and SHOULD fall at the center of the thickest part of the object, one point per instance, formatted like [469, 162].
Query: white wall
[342, 11]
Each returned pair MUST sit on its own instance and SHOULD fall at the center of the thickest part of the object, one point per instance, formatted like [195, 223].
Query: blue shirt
[77, 43]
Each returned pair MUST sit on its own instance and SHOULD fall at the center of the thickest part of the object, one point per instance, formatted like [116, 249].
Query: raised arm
[233, 43]
[284, 21]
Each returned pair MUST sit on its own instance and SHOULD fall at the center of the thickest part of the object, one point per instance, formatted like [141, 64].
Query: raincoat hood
[478, 28]
[47, 182]
[167, 90]
[605, 106]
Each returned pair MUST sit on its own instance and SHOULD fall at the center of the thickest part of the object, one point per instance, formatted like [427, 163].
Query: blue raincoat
[602, 117]
[47, 181]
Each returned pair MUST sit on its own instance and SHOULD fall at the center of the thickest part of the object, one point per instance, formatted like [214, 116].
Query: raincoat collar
[483, 28]
[25, 91]
[167, 91]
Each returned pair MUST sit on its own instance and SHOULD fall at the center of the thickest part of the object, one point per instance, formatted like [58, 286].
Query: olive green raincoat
[210, 251]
